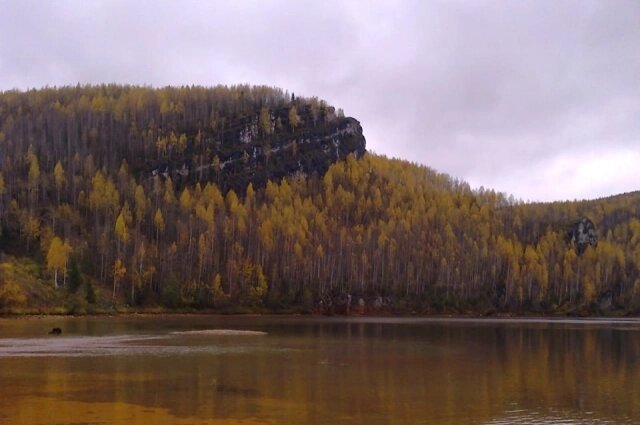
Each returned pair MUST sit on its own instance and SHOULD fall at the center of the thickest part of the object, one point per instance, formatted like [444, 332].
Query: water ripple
[526, 417]
[120, 345]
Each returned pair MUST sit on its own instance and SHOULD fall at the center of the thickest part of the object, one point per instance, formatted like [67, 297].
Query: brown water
[315, 370]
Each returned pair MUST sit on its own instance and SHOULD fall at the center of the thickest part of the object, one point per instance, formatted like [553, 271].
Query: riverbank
[25, 290]
[160, 311]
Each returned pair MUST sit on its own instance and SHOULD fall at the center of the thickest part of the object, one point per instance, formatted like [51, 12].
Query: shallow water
[289, 370]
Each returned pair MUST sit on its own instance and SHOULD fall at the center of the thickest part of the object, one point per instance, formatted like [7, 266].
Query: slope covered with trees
[241, 198]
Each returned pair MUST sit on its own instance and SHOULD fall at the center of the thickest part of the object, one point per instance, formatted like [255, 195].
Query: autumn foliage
[370, 227]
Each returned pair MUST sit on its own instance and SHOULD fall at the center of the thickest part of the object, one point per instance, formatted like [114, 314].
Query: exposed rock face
[244, 155]
[582, 234]
[306, 151]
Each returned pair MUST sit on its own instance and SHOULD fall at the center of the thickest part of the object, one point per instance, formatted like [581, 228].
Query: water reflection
[318, 371]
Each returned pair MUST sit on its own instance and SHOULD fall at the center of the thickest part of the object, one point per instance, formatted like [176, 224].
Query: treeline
[394, 234]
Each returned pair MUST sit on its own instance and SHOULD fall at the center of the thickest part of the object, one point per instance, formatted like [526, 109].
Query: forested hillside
[250, 198]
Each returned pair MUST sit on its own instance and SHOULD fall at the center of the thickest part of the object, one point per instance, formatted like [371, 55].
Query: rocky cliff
[243, 154]
[229, 135]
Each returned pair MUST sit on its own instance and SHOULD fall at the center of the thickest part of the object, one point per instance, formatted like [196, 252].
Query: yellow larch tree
[58, 257]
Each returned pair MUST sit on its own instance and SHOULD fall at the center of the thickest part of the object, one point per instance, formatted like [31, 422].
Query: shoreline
[382, 315]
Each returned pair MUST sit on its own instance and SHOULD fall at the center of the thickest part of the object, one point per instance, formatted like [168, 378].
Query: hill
[248, 198]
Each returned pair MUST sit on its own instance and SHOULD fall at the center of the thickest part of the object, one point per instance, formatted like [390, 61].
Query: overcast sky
[538, 99]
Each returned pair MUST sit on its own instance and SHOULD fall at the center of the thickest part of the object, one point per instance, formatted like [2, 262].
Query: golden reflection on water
[318, 371]
[48, 411]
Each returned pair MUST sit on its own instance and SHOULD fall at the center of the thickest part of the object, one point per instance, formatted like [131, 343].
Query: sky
[538, 99]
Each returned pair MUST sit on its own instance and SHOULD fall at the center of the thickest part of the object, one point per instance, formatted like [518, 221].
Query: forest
[250, 199]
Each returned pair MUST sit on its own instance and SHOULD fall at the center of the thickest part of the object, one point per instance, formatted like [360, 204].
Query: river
[194, 369]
